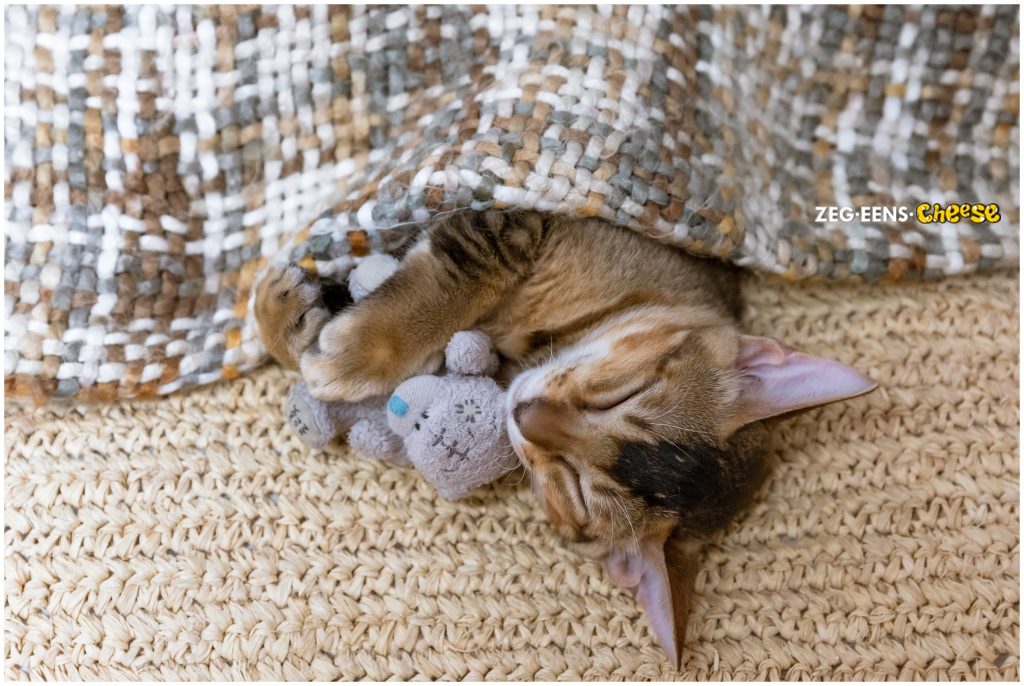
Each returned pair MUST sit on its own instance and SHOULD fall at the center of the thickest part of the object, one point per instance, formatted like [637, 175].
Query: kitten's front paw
[290, 312]
[349, 363]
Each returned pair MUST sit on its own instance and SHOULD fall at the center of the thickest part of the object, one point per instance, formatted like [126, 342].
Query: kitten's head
[644, 436]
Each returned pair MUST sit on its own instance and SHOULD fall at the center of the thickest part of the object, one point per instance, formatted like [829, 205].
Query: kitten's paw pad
[289, 311]
[286, 286]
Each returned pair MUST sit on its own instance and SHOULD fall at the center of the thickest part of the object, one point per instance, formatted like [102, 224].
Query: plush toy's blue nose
[398, 406]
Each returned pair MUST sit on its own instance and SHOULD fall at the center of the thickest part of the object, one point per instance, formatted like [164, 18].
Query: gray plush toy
[451, 427]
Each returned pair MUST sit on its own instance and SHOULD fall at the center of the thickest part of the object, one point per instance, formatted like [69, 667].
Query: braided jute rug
[196, 537]
[157, 157]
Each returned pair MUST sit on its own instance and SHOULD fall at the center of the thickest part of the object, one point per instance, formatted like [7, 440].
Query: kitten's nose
[520, 408]
[543, 422]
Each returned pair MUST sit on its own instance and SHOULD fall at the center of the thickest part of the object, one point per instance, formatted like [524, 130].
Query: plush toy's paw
[307, 418]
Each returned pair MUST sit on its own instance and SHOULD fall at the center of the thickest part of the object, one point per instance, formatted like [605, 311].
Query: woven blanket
[156, 158]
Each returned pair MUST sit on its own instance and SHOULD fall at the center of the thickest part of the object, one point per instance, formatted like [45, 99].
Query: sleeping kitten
[635, 401]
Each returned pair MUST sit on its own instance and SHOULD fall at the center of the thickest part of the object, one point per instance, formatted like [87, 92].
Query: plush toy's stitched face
[456, 411]
[453, 429]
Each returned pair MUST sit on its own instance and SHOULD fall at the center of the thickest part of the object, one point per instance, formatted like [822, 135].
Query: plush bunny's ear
[775, 379]
[660, 573]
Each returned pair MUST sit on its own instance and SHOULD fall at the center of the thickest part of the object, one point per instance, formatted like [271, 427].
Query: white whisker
[617, 499]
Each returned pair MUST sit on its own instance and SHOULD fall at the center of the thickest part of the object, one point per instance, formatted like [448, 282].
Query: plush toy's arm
[318, 423]
[370, 273]
[375, 439]
[312, 420]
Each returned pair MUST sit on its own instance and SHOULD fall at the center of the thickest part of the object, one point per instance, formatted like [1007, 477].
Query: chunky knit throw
[157, 158]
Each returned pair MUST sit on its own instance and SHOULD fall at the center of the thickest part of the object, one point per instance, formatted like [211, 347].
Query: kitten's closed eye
[608, 399]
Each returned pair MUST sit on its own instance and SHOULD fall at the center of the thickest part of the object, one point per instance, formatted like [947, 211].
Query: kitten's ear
[775, 379]
[660, 573]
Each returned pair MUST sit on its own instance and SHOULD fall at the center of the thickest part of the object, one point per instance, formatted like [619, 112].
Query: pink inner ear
[778, 379]
[756, 351]
[644, 572]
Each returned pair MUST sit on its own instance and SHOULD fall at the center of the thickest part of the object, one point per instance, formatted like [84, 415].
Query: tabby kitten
[634, 398]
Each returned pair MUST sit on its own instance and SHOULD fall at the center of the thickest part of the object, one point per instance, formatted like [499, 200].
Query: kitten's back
[589, 270]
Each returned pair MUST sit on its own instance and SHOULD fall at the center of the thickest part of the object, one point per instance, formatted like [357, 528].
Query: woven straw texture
[197, 537]
[157, 157]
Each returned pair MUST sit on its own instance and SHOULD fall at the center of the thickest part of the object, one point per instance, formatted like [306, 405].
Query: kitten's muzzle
[541, 431]
[545, 423]
[564, 500]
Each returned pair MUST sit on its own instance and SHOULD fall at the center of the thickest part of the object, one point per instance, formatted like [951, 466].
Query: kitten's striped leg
[459, 272]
